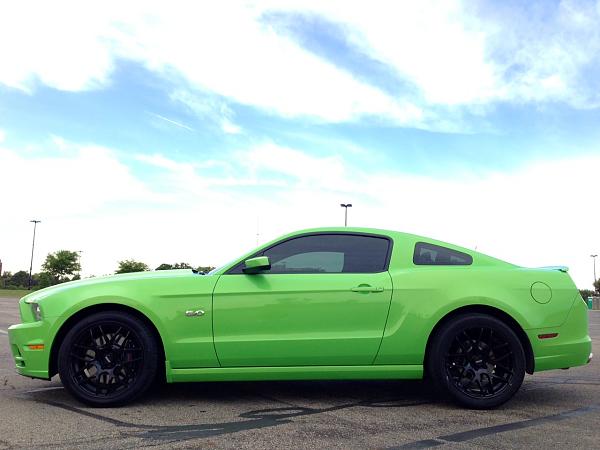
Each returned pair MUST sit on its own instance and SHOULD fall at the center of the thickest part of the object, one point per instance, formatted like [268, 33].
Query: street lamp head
[35, 221]
[593, 256]
[346, 205]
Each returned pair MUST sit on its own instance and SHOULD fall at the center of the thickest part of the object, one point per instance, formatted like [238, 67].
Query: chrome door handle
[367, 289]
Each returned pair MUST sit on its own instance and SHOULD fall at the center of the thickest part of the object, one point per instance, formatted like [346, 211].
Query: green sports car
[327, 303]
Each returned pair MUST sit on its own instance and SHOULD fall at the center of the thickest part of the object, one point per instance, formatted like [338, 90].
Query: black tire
[477, 360]
[108, 359]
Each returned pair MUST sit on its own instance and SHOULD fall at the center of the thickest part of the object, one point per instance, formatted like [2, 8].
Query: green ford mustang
[329, 303]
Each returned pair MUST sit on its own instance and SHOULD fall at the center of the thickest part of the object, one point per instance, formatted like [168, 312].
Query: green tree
[19, 279]
[43, 280]
[61, 265]
[180, 265]
[597, 285]
[204, 269]
[585, 293]
[130, 265]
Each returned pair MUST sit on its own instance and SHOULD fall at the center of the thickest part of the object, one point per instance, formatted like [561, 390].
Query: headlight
[37, 312]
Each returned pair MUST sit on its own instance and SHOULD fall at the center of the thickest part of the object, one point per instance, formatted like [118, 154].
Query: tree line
[63, 265]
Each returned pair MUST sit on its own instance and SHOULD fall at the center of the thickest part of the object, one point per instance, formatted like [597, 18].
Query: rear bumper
[28, 362]
[572, 347]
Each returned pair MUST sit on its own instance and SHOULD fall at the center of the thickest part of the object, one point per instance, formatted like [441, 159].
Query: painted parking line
[51, 388]
[3, 332]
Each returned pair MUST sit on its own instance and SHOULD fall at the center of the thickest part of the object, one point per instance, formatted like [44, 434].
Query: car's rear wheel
[108, 359]
[477, 360]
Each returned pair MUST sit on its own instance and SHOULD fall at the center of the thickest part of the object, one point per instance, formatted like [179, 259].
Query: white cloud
[452, 53]
[465, 53]
[541, 214]
[61, 45]
[2, 135]
[438, 46]
[455, 53]
[221, 48]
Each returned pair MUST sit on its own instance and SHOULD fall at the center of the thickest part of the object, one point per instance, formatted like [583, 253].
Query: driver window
[329, 253]
[310, 262]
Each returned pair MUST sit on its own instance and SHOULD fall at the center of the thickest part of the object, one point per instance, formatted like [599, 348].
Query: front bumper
[28, 362]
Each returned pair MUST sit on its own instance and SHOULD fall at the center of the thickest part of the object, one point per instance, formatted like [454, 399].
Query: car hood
[88, 282]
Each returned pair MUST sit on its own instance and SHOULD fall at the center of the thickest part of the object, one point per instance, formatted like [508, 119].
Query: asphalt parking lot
[553, 409]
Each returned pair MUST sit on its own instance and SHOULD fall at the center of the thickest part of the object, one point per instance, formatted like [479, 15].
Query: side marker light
[35, 346]
[547, 335]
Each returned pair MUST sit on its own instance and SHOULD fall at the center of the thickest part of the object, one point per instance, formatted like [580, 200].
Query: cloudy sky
[181, 131]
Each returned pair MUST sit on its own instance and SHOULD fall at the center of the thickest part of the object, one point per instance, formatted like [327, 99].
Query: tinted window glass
[434, 255]
[311, 262]
[328, 253]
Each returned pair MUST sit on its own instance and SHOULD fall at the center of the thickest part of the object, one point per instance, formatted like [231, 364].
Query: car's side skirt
[376, 372]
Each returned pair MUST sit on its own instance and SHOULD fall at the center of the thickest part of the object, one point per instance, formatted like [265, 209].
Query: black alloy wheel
[478, 360]
[108, 359]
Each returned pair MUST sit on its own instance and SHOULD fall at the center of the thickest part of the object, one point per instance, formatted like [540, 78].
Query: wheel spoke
[103, 340]
[460, 344]
[503, 367]
[114, 336]
[501, 358]
[80, 358]
[479, 386]
[468, 340]
[490, 384]
[94, 343]
[504, 344]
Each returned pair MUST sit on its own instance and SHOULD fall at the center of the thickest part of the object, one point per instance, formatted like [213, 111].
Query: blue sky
[453, 119]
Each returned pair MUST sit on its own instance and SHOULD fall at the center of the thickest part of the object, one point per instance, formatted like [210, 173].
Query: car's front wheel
[108, 359]
[478, 360]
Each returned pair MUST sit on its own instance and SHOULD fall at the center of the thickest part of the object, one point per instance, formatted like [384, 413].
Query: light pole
[35, 222]
[346, 206]
[594, 258]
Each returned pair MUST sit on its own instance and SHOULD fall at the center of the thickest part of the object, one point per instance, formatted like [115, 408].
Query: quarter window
[434, 255]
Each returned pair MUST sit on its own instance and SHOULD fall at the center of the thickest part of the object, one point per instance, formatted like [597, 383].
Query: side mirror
[255, 265]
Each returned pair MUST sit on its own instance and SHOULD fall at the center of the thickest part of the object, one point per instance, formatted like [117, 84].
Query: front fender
[187, 341]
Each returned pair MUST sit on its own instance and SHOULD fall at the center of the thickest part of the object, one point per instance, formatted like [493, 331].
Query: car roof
[390, 233]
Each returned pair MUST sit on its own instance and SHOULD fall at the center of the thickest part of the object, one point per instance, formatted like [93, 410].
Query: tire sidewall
[148, 368]
[442, 342]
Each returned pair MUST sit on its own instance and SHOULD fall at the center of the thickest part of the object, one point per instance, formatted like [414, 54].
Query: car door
[324, 301]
